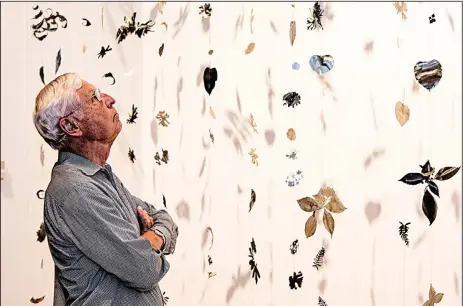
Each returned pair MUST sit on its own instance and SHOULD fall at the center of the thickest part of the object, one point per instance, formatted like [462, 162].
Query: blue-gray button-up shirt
[94, 238]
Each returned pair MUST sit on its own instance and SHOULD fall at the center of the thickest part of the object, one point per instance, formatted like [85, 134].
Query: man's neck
[96, 152]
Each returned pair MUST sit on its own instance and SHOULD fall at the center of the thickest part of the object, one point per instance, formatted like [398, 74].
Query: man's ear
[70, 127]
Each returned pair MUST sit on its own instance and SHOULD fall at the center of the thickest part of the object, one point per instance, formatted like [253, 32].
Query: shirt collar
[86, 166]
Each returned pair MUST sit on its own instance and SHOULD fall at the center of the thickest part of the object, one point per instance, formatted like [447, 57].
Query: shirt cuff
[159, 233]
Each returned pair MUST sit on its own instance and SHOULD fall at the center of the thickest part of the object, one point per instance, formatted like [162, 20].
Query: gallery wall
[360, 126]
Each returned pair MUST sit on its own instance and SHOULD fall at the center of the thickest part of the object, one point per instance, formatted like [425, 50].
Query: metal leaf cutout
[209, 78]
[412, 178]
[446, 173]
[58, 61]
[253, 199]
[433, 187]
[429, 206]
[42, 75]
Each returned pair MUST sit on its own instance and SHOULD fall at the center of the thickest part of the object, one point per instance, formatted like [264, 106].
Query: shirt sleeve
[95, 224]
[163, 223]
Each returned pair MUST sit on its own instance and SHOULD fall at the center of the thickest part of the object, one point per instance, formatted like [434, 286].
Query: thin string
[404, 221]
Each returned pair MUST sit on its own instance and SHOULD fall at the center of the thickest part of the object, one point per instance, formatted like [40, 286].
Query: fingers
[146, 219]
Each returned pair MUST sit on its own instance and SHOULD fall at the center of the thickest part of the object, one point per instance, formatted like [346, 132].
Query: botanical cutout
[428, 74]
[291, 134]
[209, 230]
[58, 61]
[433, 297]
[133, 115]
[209, 78]
[164, 159]
[164, 202]
[161, 5]
[103, 51]
[211, 136]
[327, 199]
[161, 49]
[318, 261]
[250, 48]
[292, 154]
[296, 279]
[133, 27]
[41, 194]
[252, 263]
[110, 75]
[294, 246]
[253, 199]
[254, 157]
[47, 22]
[315, 20]
[37, 300]
[252, 123]
[402, 113]
[165, 299]
[321, 63]
[211, 112]
[85, 22]
[131, 155]
[292, 32]
[205, 10]
[426, 176]
[210, 52]
[42, 75]
[41, 233]
[84, 49]
[209, 260]
[292, 99]
[403, 232]
[211, 274]
[162, 116]
[401, 8]
[165, 25]
[432, 18]
[321, 302]
[293, 179]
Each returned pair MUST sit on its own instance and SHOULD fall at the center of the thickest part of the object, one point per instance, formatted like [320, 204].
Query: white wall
[362, 259]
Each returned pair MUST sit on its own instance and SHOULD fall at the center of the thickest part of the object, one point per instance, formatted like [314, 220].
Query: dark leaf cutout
[37, 300]
[252, 262]
[133, 115]
[58, 61]
[133, 27]
[45, 25]
[413, 178]
[209, 260]
[205, 10]
[164, 201]
[427, 170]
[403, 232]
[295, 279]
[292, 99]
[110, 75]
[315, 20]
[42, 75]
[429, 206]
[39, 194]
[253, 199]
[321, 302]
[104, 50]
[209, 78]
[41, 234]
[165, 298]
[446, 173]
[294, 246]
[318, 261]
[433, 187]
[131, 156]
[86, 22]
[161, 49]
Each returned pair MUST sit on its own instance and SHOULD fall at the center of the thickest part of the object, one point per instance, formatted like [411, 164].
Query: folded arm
[95, 224]
[163, 224]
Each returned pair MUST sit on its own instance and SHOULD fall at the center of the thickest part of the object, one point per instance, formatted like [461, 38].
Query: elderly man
[108, 246]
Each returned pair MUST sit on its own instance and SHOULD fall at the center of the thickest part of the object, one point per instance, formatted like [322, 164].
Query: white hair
[54, 101]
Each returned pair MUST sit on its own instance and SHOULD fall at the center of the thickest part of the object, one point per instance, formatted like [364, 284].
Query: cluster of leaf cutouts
[433, 297]
[133, 115]
[318, 261]
[296, 279]
[325, 199]
[403, 232]
[252, 261]
[426, 176]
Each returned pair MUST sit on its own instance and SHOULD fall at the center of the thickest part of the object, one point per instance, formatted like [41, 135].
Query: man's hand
[146, 221]
[155, 240]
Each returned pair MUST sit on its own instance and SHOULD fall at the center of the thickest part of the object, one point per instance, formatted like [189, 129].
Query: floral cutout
[294, 179]
[163, 117]
[254, 157]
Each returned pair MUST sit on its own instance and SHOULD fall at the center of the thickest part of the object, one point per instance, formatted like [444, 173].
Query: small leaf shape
[253, 199]
[320, 199]
[42, 75]
[402, 113]
[335, 205]
[433, 187]
[446, 173]
[327, 191]
[161, 49]
[209, 78]
[291, 134]
[58, 61]
[308, 204]
[412, 178]
[292, 32]
[84, 49]
[328, 221]
[310, 226]
[433, 297]
[211, 112]
[250, 48]
[429, 206]
[210, 52]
